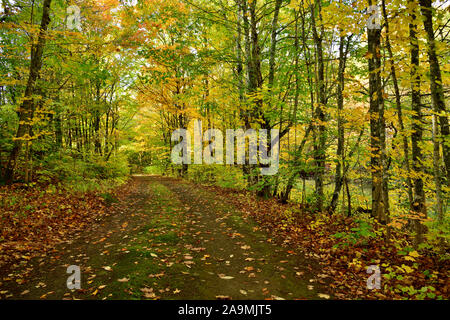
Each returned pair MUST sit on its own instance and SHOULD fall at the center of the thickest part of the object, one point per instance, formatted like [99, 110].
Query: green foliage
[223, 176]
[438, 236]
[139, 161]
[8, 124]
[361, 233]
[426, 292]
[91, 173]
[152, 170]
[109, 198]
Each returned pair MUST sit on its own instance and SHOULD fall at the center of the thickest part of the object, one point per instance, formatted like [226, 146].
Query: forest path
[170, 239]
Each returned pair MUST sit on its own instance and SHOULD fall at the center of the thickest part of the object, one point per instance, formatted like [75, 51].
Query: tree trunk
[416, 136]
[437, 92]
[265, 190]
[338, 179]
[319, 116]
[377, 124]
[437, 172]
[26, 109]
[290, 184]
[273, 44]
[398, 106]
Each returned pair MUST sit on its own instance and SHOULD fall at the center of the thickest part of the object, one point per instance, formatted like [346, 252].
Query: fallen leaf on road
[148, 293]
[158, 275]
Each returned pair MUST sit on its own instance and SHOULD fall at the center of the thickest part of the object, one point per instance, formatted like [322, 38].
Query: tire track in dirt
[237, 249]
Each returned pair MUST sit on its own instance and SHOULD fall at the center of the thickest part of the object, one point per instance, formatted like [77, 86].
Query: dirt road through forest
[169, 239]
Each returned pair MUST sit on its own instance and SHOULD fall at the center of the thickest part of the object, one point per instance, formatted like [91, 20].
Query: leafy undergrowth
[346, 247]
[34, 219]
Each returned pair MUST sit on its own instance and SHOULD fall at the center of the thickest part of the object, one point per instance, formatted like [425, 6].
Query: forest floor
[169, 239]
